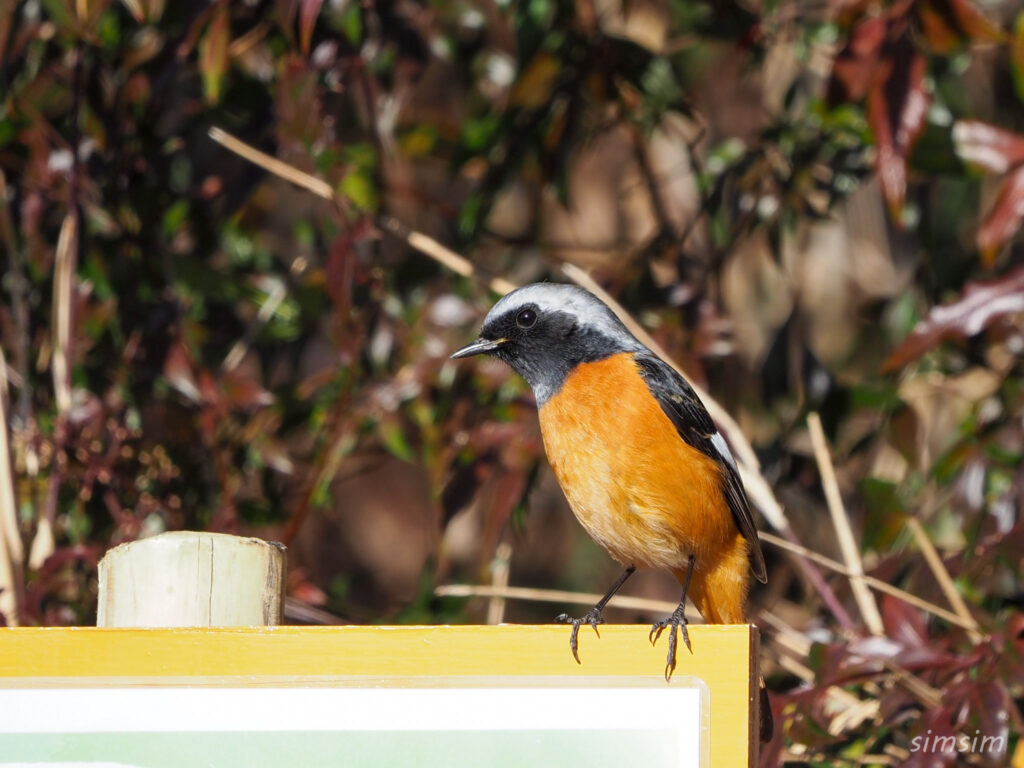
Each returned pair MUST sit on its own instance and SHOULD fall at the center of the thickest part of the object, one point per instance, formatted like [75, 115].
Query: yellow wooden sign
[453, 696]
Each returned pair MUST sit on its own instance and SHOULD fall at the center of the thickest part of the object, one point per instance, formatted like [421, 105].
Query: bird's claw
[676, 621]
[593, 617]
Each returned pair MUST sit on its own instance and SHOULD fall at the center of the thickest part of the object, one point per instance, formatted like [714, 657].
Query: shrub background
[812, 206]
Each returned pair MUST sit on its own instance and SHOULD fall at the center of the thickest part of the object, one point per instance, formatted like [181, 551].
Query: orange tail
[720, 594]
[720, 583]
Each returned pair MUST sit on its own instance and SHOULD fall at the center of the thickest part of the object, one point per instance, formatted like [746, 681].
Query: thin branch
[62, 323]
[499, 580]
[945, 580]
[665, 226]
[841, 522]
[11, 549]
[279, 168]
[554, 596]
[18, 287]
[876, 584]
[417, 240]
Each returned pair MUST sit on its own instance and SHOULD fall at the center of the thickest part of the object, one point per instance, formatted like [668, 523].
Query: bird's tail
[720, 594]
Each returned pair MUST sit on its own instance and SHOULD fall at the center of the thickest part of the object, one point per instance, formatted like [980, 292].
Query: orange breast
[639, 490]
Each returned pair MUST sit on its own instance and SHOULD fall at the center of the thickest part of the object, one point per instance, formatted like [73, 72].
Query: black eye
[526, 318]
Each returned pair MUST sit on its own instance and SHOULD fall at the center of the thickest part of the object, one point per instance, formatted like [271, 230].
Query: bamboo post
[192, 579]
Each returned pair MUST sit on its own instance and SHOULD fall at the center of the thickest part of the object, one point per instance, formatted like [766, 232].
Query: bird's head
[544, 330]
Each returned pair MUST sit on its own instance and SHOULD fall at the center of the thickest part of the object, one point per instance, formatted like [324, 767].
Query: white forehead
[587, 308]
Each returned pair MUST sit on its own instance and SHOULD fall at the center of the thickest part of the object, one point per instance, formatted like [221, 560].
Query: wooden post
[192, 579]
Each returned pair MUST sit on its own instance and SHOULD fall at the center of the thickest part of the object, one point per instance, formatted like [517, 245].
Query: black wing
[693, 422]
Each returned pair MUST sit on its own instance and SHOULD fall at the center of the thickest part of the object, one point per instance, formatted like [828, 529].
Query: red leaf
[1004, 219]
[180, 371]
[897, 106]
[890, 165]
[308, 12]
[213, 53]
[991, 705]
[916, 102]
[987, 147]
[243, 391]
[979, 306]
[856, 62]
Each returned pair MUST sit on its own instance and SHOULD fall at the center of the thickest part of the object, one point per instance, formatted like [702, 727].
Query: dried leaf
[179, 370]
[979, 306]
[154, 10]
[1004, 219]
[135, 9]
[533, 88]
[308, 12]
[941, 36]
[975, 25]
[987, 147]
[213, 53]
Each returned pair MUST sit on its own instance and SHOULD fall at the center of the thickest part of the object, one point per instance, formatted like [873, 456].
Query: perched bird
[642, 464]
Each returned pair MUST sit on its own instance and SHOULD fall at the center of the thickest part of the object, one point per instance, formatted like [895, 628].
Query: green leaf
[358, 187]
[1017, 55]
[351, 23]
[478, 134]
[395, 442]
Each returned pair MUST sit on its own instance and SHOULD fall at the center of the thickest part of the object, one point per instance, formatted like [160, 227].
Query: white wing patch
[723, 448]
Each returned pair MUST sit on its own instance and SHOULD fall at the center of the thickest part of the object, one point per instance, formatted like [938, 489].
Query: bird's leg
[676, 621]
[594, 616]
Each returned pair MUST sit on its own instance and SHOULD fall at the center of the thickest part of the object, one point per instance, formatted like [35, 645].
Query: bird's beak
[478, 347]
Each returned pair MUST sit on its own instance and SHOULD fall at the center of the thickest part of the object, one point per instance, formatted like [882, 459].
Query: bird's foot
[592, 617]
[676, 621]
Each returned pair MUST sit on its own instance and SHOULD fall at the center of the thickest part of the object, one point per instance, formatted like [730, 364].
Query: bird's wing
[694, 425]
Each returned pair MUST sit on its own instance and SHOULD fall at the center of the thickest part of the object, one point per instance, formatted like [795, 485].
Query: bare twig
[318, 187]
[499, 580]
[840, 521]
[852, 710]
[442, 255]
[276, 294]
[554, 596]
[11, 549]
[665, 226]
[62, 323]
[876, 584]
[945, 580]
[63, 286]
[18, 285]
[422, 243]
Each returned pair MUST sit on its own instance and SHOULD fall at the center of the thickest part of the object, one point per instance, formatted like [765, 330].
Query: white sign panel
[321, 727]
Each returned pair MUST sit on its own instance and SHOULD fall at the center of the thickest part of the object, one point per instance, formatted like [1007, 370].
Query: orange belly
[637, 488]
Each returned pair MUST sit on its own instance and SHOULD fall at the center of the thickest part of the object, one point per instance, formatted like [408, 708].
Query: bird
[639, 459]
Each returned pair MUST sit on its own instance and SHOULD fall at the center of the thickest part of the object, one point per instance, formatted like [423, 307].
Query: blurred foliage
[814, 206]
